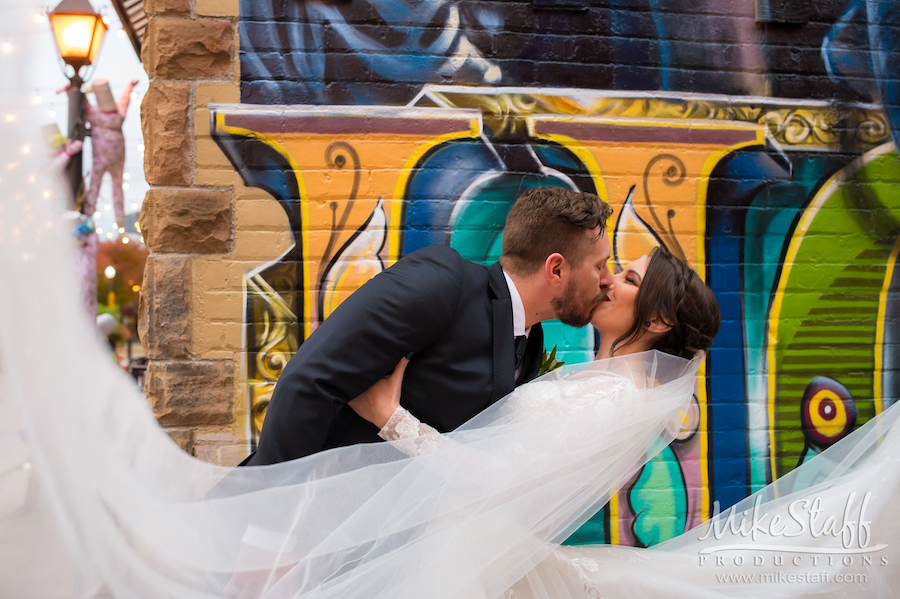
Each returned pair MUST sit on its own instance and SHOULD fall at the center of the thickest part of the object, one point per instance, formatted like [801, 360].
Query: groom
[474, 332]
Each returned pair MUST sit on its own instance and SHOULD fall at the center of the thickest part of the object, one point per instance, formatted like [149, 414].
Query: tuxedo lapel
[504, 350]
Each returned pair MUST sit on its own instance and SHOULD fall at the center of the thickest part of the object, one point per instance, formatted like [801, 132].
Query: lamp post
[78, 30]
[110, 273]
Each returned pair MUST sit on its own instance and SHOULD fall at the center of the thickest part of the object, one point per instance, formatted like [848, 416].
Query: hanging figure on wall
[107, 144]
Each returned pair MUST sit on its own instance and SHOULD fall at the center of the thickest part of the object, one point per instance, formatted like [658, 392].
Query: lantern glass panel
[97, 40]
[74, 34]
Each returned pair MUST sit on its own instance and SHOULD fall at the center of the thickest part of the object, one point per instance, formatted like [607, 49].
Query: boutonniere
[549, 362]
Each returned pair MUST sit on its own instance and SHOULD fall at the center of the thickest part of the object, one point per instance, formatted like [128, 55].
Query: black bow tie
[521, 344]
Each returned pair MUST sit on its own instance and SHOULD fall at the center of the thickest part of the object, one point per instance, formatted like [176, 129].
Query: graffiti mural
[380, 129]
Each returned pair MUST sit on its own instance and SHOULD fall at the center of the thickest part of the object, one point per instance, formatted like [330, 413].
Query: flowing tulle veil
[99, 497]
[95, 497]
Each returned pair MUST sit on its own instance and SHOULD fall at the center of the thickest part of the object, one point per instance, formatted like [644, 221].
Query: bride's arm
[380, 405]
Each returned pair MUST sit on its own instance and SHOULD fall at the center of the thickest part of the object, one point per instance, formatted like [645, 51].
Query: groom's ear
[556, 269]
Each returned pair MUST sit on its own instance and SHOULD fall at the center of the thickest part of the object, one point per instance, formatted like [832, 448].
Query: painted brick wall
[298, 148]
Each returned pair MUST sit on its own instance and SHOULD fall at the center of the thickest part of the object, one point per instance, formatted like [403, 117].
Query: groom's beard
[573, 307]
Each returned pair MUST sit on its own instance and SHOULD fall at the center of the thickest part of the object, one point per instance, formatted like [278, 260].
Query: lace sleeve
[405, 432]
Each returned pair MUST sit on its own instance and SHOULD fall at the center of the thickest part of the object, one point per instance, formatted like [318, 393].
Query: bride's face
[615, 315]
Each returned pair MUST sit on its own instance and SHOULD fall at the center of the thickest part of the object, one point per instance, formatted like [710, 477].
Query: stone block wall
[296, 149]
[190, 318]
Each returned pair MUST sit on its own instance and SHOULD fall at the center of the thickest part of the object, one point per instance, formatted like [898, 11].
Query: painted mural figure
[461, 320]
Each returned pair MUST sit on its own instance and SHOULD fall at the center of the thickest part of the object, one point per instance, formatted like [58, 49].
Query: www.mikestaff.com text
[792, 577]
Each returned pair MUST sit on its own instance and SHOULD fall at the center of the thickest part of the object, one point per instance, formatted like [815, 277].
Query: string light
[134, 206]
[52, 114]
[109, 235]
[9, 118]
[133, 95]
[125, 186]
[40, 18]
[37, 99]
[135, 288]
[126, 176]
[121, 229]
[46, 194]
[99, 231]
[125, 240]
[26, 149]
[140, 147]
[7, 47]
[107, 207]
[121, 33]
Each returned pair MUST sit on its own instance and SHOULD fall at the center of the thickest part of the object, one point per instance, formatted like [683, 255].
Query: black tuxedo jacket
[457, 318]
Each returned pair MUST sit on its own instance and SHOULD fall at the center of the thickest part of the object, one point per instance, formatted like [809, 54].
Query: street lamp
[110, 273]
[78, 31]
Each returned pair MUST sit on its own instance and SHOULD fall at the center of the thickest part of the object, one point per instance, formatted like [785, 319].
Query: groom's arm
[404, 309]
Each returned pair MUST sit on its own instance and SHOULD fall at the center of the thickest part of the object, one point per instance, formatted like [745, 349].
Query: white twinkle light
[133, 95]
[26, 149]
[37, 99]
[121, 33]
[125, 240]
[125, 186]
[9, 118]
[99, 231]
[52, 114]
[140, 147]
[97, 214]
[134, 206]
[7, 47]
[107, 207]
[121, 229]
[109, 235]
[126, 176]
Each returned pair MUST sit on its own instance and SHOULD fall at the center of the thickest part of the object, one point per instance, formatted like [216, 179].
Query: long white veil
[99, 490]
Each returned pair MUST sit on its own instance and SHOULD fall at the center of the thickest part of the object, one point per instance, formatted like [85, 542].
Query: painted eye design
[827, 411]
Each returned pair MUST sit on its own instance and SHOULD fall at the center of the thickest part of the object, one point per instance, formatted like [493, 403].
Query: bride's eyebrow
[629, 270]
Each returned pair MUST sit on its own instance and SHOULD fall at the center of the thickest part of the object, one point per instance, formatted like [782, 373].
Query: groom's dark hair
[546, 220]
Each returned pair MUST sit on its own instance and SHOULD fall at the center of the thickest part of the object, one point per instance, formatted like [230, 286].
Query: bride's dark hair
[673, 292]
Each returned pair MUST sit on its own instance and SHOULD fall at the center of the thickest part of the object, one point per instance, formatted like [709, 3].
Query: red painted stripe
[275, 123]
[587, 131]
